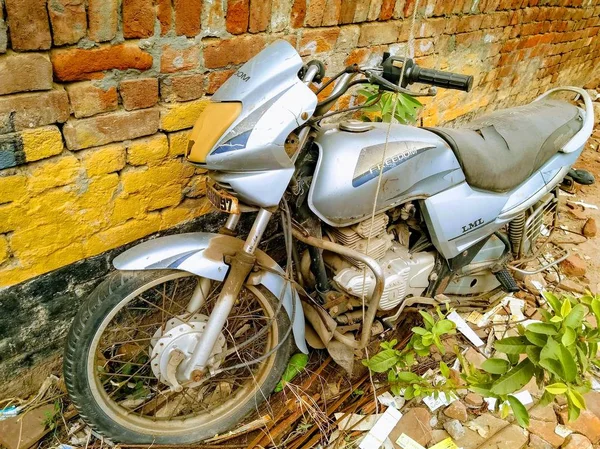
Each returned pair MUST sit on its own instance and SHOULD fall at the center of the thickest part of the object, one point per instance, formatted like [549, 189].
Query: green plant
[558, 352]
[405, 112]
[51, 417]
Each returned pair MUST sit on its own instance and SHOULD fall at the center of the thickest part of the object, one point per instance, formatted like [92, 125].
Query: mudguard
[203, 254]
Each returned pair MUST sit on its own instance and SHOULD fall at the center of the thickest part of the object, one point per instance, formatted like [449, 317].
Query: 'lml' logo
[472, 225]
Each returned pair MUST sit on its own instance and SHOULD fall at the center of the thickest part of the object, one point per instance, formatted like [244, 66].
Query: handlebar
[393, 67]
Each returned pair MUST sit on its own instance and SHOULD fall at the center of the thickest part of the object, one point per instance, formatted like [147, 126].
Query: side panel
[202, 254]
[416, 164]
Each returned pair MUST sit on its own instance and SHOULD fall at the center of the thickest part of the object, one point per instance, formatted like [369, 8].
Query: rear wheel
[116, 356]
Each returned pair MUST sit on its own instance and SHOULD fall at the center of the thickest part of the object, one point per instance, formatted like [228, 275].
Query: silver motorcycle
[193, 331]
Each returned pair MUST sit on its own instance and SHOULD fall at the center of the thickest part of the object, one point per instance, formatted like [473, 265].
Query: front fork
[241, 264]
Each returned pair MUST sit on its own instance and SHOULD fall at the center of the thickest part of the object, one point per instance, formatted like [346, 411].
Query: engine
[406, 273]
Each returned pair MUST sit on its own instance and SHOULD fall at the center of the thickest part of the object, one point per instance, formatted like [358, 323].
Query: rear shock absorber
[515, 234]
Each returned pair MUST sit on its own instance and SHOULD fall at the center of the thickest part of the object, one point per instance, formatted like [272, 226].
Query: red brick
[79, 64]
[331, 15]
[139, 93]
[347, 11]
[314, 14]
[260, 15]
[487, 6]
[23, 72]
[68, 19]
[35, 109]
[175, 59]
[236, 50]
[358, 56]
[182, 87]
[102, 19]
[216, 80]
[387, 9]
[28, 23]
[468, 39]
[138, 18]
[238, 14]
[318, 41]
[164, 13]
[431, 27]
[215, 16]
[469, 23]
[187, 17]
[298, 13]
[87, 99]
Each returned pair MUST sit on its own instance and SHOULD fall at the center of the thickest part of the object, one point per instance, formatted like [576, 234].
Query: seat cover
[500, 150]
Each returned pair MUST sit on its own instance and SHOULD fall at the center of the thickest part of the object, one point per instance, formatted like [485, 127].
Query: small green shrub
[406, 111]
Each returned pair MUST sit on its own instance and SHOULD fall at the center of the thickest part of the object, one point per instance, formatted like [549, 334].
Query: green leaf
[546, 399]
[519, 411]
[296, 364]
[444, 370]
[568, 364]
[443, 327]
[596, 308]
[533, 352]
[512, 345]
[542, 328]
[419, 331]
[514, 358]
[382, 361]
[407, 376]
[556, 319]
[575, 316]
[565, 309]
[576, 398]
[427, 318]
[496, 366]
[514, 379]
[552, 300]
[483, 390]
[569, 336]
[557, 388]
[553, 366]
[535, 338]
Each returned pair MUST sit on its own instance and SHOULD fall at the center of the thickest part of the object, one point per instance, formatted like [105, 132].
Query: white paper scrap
[442, 400]
[387, 400]
[595, 384]
[523, 396]
[585, 205]
[406, 442]
[562, 431]
[381, 429]
[516, 307]
[465, 329]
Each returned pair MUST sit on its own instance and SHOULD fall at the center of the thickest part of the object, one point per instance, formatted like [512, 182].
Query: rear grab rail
[579, 139]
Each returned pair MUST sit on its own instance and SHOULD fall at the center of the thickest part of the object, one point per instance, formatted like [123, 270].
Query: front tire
[112, 406]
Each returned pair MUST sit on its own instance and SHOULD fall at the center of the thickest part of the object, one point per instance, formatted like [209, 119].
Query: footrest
[506, 280]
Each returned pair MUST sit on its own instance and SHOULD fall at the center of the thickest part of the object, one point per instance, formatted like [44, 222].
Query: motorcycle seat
[499, 151]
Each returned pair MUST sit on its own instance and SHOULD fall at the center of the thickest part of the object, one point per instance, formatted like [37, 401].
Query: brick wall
[96, 96]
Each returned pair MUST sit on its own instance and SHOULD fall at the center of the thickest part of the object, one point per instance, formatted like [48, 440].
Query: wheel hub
[181, 335]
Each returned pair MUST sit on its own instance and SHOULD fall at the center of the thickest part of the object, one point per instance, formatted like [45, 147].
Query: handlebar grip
[447, 80]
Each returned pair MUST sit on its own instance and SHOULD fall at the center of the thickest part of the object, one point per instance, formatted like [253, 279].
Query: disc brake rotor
[178, 339]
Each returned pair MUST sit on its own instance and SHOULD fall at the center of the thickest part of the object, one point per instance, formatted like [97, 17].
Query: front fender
[203, 254]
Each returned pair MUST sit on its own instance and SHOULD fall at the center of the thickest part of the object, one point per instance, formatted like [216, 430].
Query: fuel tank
[416, 164]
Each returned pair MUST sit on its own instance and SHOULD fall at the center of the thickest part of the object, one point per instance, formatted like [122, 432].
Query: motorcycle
[193, 331]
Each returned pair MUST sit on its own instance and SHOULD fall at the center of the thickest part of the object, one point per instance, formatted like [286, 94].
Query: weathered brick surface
[138, 18]
[76, 64]
[87, 99]
[107, 128]
[68, 19]
[139, 93]
[23, 72]
[182, 87]
[102, 19]
[29, 26]
[153, 63]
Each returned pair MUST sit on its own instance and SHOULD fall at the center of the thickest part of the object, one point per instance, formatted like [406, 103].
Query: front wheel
[118, 348]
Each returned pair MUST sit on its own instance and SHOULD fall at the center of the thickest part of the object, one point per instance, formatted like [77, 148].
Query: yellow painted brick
[11, 216]
[94, 206]
[40, 143]
[178, 143]
[101, 160]
[196, 187]
[122, 234]
[187, 210]
[53, 173]
[148, 151]
[176, 116]
[127, 207]
[146, 180]
[4, 254]
[169, 195]
[50, 207]
[12, 188]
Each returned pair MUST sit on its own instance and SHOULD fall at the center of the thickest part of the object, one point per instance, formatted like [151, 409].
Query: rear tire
[119, 424]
